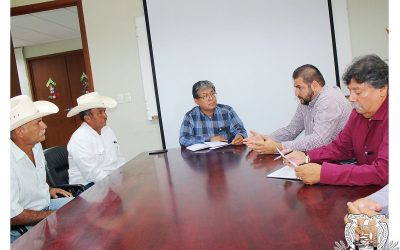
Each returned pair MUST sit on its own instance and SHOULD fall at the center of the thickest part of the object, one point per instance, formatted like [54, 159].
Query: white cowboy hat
[90, 101]
[23, 110]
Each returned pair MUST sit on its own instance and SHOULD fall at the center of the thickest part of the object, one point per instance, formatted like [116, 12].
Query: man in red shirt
[365, 136]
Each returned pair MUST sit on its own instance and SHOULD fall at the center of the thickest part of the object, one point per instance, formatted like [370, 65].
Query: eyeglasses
[208, 96]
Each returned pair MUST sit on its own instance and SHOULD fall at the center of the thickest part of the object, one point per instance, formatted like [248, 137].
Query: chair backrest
[57, 165]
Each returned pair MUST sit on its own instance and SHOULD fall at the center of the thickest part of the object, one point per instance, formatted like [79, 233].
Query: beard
[308, 98]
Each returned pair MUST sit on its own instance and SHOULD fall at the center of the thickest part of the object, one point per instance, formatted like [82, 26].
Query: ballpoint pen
[280, 156]
[294, 164]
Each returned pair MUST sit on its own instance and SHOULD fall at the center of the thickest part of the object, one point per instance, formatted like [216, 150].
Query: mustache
[42, 132]
[356, 106]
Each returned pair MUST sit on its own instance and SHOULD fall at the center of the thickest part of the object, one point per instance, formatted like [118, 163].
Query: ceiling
[44, 27]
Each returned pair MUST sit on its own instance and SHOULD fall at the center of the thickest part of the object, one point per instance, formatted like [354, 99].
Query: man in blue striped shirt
[210, 121]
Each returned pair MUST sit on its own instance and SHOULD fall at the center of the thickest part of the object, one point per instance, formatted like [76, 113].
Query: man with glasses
[364, 137]
[321, 114]
[210, 121]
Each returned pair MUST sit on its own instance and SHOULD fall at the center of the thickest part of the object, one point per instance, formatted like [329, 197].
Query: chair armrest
[350, 161]
[74, 189]
[19, 228]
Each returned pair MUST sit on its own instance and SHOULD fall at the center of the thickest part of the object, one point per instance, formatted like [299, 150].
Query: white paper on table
[207, 144]
[216, 144]
[285, 172]
[198, 146]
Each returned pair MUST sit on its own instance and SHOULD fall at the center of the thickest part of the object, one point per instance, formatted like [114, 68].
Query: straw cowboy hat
[90, 101]
[23, 110]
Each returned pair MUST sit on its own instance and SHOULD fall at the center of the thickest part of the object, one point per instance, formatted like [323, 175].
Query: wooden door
[15, 88]
[75, 67]
[65, 70]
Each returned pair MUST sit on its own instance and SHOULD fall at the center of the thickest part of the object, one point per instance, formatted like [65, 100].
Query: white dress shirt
[91, 156]
[29, 189]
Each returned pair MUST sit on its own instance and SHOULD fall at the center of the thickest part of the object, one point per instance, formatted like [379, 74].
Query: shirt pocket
[112, 151]
[100, 154]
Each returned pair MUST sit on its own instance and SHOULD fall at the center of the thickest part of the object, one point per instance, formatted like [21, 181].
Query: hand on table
[218, 138]
[238, 140]
[309, 173]
[255, 137]
[262, 144]
[297, 157]
[55, 191]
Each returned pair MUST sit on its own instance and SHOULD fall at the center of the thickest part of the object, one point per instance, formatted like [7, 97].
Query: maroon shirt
[367, 140]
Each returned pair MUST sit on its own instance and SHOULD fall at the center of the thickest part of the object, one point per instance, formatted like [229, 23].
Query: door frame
[57, 4]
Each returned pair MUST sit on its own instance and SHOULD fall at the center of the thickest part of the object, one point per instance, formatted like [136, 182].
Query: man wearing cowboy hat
[93, 150]
[30, 194]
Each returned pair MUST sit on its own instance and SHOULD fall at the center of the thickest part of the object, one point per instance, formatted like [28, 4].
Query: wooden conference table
[220, 199]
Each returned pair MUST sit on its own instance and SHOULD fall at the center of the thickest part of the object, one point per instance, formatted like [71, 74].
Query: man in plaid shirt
[321, 114]
[210, 121]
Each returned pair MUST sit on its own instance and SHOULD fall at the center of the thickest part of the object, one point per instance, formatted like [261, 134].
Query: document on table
[285, 172]
[207, 144]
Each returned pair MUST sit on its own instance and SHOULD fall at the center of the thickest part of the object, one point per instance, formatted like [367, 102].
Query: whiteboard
[145, 68]
[248, 49]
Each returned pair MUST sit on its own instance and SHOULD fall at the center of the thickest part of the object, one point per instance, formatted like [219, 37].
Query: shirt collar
[91, 130]
[215, 111]
[312, 103]
[18, 153]
[382, 111]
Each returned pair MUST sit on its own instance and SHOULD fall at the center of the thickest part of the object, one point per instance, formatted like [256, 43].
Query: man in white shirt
[30, 194]
[93, 150]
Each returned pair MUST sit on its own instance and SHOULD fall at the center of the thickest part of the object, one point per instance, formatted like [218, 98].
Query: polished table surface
[219, 199]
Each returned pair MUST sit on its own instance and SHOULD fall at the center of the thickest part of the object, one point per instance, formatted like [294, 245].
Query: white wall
[114, 56]
[113, 49]
[243, 50]
[342, 35]
[22, 72]
[15, 3]
[52, 48]
[368, 22]
[110, 27]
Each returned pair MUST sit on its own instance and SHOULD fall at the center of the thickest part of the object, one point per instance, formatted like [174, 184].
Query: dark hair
[83, 113]
[199, 85]
[370, 69]
[309, 73]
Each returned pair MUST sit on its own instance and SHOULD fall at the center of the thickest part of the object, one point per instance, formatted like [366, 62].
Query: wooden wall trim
[55, 54]
[37, 7]
[85, 46]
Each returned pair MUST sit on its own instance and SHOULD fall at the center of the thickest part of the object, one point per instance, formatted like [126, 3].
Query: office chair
[56, 175]
[57, 170]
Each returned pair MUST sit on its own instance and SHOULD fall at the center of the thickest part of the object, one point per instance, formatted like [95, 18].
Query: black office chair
[57, 170]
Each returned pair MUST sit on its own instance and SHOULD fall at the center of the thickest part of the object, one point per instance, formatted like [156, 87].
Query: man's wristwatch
[307, 160]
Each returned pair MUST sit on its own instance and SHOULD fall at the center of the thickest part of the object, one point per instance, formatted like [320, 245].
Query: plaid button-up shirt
[321, 120]
[198, 128]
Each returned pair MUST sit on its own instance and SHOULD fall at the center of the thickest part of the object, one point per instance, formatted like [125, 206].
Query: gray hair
[201, 85]
[370, 69]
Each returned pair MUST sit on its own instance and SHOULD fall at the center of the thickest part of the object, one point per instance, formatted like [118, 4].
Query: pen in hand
[280, 156]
